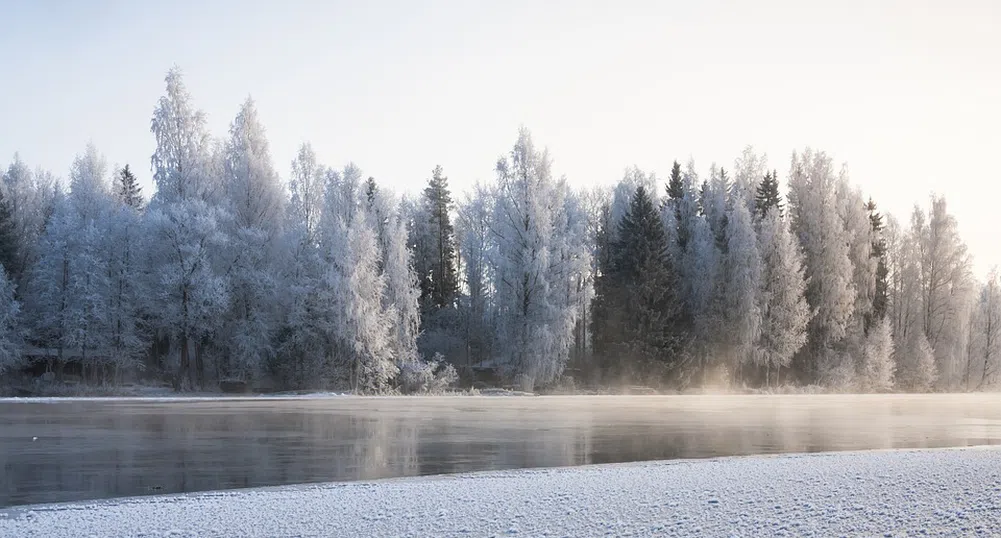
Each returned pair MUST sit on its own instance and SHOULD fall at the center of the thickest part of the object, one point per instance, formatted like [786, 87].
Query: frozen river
[55, 451]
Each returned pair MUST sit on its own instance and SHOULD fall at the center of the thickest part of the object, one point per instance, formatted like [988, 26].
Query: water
[75, 450]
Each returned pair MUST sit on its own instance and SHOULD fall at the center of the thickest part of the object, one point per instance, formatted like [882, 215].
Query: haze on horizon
[904, 92]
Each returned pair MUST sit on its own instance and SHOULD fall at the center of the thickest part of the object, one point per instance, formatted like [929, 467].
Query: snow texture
[952, 492]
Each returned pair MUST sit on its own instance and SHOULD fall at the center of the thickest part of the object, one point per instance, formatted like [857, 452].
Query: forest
[326, 280]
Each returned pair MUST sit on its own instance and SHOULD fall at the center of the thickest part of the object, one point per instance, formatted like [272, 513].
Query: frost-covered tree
[946, 287]
[255, 200]
[125, 247]
[741, 283]
[182, 160]
[306, 187]
[813, 207]
[858, 228]
[89, 193]
[473, 232]
[876, 365]
[532, 320]
[49, 298]
[11, 332]
[984, 354]
[748, 171]
[251, 183]
[190, 292]
[301, 345]
[30, 199]
[785, 314]
[9, 243]
[360, 333]
[402, 297]
[915, 361]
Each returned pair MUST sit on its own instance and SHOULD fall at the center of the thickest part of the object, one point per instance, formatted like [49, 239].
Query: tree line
[328, 280]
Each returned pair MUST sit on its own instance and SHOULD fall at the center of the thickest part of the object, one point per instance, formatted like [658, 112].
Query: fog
[56, 451]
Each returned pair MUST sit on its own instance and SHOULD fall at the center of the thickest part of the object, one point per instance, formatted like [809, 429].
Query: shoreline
[951, 491]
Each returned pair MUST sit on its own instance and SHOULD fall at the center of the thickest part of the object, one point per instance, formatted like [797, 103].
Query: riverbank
[948, 492]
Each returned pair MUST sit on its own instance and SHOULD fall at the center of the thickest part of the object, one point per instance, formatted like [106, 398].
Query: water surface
[54, 451]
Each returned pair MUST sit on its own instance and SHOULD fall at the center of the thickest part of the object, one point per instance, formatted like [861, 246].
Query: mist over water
[75, 450]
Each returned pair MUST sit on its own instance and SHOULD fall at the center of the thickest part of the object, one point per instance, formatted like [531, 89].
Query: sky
[907, 93]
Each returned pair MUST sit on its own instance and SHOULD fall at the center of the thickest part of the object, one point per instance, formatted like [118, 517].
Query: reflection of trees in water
[98, 450]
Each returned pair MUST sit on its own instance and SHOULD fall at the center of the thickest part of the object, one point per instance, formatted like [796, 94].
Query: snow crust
[950, 492]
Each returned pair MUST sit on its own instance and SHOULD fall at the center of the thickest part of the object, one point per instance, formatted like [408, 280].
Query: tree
[11, 335]
[916, 370]
[127, 189]
[306, 187]
[125, 245]
[813, 207]
[360, 332]
[675, 184]
[877, 367]
[300, 344]
[30, 198]
[9, 243]
[255, 200]
[473, 230]
[946, 287]
[533, 322]
[880, 299]
[748, 171]
[985, 335]
[251, 183]
[741, 282]
[439, 285]
[785, 313]
[182, 160]
[191, 294]
[767, 197]
[635, 294]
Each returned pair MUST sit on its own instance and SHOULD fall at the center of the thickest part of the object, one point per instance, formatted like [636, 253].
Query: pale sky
[906, 92]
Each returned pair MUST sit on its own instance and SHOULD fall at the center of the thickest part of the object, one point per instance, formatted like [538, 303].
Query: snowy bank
[952, 492]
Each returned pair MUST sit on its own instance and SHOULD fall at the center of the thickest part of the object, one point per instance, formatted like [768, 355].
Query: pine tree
[440, 287]
[637, 294]
[879, 300]
[767, 196]
[127, 188]
[8, 237]
[675, 185]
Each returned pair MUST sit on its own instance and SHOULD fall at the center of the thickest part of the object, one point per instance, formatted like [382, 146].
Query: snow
[949, 492]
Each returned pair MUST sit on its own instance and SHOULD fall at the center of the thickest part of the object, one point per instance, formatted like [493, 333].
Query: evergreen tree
[636, 296]
[675, 185]
[767, 196]
[127, 188]
[879, 300]
[8, 237]
[440, 286]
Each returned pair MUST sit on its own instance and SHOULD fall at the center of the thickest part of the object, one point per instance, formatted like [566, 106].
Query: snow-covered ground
[951, 492]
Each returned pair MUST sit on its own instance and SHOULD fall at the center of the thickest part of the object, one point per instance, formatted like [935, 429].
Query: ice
[948, 492]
